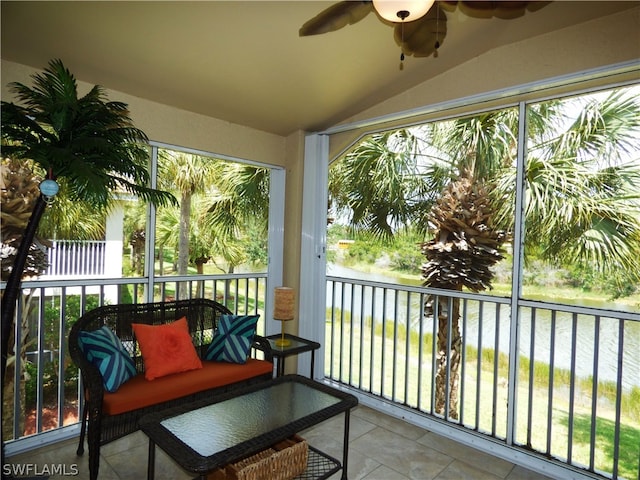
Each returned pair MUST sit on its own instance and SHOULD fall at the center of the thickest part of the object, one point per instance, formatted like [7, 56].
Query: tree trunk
[448, 357]
[9, 410]
[12, 290]
[183, 245]
[200, 261]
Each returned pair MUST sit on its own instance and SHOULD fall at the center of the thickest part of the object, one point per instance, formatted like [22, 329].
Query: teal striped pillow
[232, 339]
[105, 351]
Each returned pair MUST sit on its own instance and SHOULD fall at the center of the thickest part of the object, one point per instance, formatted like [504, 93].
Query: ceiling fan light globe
[396, 10]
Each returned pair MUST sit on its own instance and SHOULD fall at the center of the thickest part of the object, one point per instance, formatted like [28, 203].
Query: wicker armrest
[262, 344]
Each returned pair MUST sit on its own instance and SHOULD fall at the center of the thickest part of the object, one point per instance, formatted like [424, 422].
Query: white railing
[47, 406]
[557, 381]
[76, 259]
[569, 395]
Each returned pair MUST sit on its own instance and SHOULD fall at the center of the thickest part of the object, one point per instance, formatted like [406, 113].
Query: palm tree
[187, 175]
[241, 201]
[379, 185]
[465, 246]
[583, 189]
[579, 208]
[241, 197]
[89, 142]
[582, 200]
[206, 239]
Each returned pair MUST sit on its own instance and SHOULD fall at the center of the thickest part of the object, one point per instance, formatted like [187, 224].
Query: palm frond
[89, 141]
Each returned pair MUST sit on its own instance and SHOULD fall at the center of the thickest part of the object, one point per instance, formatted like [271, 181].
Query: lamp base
[282, 342]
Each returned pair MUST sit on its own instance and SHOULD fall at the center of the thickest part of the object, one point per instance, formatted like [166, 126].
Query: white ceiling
[243, 61]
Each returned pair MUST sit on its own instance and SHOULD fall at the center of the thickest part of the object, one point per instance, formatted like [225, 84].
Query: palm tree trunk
[182, 288]
[448, 357]
[12, 290]
[8, 407]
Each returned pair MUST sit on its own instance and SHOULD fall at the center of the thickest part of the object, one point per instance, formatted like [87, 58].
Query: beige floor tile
[460, 470]
[521, 473]
[390, 423]
[385, 473]
[132, 465]
[479, 460]
[360, 466]
[401, 454]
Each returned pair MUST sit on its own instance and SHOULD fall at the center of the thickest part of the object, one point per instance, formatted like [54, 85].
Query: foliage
[399, 253]
[466, 245]
[51, 326]
[582, 205]
[89, 141]
[223, 212]
[406, 257]
[255, 242]
[18, 197]
[378, 185]
[241, 198]
[616, 284]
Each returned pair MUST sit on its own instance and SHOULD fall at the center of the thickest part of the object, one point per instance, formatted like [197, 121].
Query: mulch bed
[50, 418]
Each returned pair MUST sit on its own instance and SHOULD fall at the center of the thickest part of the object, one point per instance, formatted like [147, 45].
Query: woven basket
[283, 461]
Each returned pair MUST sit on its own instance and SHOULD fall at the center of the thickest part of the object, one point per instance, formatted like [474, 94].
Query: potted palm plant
[88, 141]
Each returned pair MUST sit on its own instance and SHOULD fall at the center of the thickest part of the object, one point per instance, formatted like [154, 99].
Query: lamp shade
[402, 10]
[283, 303]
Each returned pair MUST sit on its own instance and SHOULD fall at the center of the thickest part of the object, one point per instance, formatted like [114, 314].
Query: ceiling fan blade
[500, 9]
[336, 17]
[422, 37]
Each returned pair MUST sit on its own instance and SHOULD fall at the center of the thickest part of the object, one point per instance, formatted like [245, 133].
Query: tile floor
[381, 448]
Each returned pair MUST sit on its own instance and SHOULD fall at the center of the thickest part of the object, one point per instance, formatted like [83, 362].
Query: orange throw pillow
[166, 349]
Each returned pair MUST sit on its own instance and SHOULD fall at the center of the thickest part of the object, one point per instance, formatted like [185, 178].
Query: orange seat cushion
[140, 392]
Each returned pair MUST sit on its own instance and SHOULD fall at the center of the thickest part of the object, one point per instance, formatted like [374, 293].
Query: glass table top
[296, 344]
[220, 426]
[293, 343]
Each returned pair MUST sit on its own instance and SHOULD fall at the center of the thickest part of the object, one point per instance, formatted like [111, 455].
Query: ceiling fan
[420, 26]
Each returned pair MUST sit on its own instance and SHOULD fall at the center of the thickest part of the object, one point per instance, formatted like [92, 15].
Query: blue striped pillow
[232, 339]
[105, 351]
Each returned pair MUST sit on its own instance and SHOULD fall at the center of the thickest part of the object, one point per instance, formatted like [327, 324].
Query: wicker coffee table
[207, 435]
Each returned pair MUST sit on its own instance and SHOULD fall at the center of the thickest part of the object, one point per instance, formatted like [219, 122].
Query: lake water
[483, 331]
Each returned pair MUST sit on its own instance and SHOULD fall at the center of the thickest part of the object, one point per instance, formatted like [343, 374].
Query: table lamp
[283, 310]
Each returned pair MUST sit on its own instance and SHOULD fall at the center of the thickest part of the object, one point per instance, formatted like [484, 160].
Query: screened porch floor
[381, 448]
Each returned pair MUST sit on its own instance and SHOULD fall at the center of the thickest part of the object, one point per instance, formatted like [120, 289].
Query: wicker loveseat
[106, 415]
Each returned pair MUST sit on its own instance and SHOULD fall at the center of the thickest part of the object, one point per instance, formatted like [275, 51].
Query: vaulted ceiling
[244, 62]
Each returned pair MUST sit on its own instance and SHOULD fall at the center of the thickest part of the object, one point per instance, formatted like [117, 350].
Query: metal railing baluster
[572, 386]
[479, 366]
[552, 347]
[594, 392]
[616, 435]
[532, 356]
[496, 360]
[383, 343]
[351, 333]
[463, 359]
